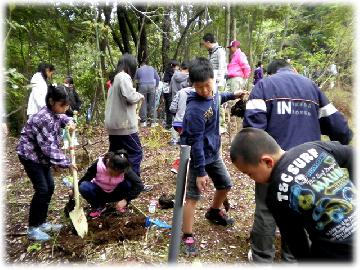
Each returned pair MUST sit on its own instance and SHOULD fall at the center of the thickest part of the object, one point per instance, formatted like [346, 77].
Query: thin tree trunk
[185, 31]
[166, 26]
[121, 11]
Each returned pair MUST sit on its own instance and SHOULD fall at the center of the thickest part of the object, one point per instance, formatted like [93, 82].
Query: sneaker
[250, 256]
[34, 233]
[148, 188]
[173, 142]
[175, 166]
[143, 124]
[154, 125]
[218, 217]
[95, 213]
[189, 247]
[48, 227]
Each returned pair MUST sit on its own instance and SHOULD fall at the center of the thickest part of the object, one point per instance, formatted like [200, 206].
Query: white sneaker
[154, 125]
[250, 256]
[144, 124]
[48, 227]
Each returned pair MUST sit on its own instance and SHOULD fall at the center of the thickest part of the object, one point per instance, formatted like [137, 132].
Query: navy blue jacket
[201, 128]
[293, 110]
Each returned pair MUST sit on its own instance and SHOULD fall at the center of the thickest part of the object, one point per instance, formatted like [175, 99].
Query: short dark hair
[128, 64]
[69, 80]
[259, 64]
[185, 65]
[250, 144]
[209, 37]
[276, 64]
[57, 94]
[117, 160]
[200, 70]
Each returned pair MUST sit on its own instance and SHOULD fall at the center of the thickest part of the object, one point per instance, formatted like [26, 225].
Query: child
[38, 150]
[121, 119]
[75, 101]
[308, 192]
[110, 179]
[177, 107]
[201, 132]
[258, 73]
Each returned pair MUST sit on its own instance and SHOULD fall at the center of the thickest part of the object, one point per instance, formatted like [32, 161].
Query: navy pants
[43, 184]
[96, 197]
[131, 143]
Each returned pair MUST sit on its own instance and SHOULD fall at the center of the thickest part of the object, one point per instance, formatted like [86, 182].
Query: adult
[75, 101]
[148, 80]
[172, 66]
[238, 70]
[217, 57]
[39, 87]
[258, 72]
[293, 110]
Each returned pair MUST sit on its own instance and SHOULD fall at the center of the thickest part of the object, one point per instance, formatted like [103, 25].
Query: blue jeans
[43, 184]
[97, 197]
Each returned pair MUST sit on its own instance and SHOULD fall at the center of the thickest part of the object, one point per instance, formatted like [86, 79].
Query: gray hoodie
[178, 105]
[120, 108]
[178, 81]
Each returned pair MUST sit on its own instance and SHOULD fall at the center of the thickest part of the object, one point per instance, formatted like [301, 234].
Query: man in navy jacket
[293, 110]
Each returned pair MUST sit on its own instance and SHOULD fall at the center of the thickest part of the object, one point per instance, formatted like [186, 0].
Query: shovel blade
[79, 221]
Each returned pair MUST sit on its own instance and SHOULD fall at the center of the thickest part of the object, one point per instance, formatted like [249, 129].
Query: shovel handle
[74, 171]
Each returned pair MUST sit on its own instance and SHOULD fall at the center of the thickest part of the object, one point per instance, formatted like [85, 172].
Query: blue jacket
[293, 110]
[201, 128]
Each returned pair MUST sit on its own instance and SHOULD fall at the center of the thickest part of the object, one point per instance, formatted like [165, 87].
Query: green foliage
[35, 247]
[64, 35]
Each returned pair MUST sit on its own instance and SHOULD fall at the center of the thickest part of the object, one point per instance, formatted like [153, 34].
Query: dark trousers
[262, 235]
[97, 197]
[169, 116]
[131, 143]
[43, 184]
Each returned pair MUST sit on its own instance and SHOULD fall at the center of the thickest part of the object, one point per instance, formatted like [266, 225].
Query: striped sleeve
[332, 122]
[256, 111]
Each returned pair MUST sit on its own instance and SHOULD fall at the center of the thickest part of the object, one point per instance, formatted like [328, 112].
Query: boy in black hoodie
[201, 132]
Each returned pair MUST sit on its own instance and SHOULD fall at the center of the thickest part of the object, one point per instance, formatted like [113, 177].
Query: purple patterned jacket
[40, 139]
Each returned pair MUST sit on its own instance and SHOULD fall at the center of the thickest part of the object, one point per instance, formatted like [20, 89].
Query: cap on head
[234, 43]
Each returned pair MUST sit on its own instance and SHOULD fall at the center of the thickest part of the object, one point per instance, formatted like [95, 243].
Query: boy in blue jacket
[201, 132]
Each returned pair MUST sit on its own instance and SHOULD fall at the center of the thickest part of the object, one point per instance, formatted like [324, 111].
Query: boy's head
[255, 153]
[184, 66]
[277, 64]
[69, 80]
[201, 76]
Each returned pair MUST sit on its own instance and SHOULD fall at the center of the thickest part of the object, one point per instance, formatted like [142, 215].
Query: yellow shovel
[77, 215]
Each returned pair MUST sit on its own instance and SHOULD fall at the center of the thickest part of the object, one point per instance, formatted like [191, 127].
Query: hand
[202, 182]
[71, 125]
[120, 205]
[240, 93]
[71, 193]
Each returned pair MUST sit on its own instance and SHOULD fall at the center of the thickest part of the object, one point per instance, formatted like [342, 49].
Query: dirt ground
[122, 238]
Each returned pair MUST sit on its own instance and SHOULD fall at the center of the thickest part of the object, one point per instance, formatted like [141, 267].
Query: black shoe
[218, 217]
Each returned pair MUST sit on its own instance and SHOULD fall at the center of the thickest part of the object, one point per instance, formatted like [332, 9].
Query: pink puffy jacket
[238, 66]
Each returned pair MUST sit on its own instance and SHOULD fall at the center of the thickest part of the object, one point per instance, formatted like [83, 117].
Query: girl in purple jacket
[110, 179]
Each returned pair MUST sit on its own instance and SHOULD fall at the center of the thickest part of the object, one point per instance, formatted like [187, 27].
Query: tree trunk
[166, 26]
[142, 53]
[286, 24]
[201, 11]
[121, 14]
[227, 23]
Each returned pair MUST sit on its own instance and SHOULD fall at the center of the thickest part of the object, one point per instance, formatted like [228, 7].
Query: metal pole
[178, 205]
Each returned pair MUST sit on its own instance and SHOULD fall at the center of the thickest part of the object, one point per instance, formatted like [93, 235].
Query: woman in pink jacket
[238, 70]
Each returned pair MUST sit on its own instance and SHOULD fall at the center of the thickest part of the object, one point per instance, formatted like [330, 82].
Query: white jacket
[37, 95]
